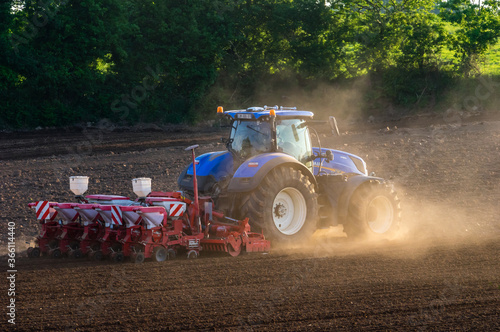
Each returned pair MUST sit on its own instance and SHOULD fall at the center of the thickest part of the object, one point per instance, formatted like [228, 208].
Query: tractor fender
[250, 174]
[353, 183]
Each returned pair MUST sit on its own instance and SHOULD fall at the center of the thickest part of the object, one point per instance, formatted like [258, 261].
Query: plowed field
[441, 273]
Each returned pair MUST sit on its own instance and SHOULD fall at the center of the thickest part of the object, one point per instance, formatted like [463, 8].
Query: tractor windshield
[293, 139]
[250, 138]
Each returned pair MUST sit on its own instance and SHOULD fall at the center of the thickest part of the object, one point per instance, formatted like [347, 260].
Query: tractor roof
[258, 112]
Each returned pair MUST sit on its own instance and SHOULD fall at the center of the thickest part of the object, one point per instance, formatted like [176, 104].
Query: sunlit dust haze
[447, 178]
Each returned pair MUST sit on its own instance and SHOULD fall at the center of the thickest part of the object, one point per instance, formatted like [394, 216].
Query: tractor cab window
[293, 139]
[250, 138]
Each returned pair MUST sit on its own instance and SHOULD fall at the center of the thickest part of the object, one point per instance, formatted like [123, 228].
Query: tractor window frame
[252, 139]
[287, 131]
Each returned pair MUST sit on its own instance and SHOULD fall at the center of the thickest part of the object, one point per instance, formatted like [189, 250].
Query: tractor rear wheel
[284, 206]
[374, 212]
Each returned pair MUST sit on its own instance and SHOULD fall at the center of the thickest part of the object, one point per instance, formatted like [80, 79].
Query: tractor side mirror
[333, 125]
[329, 155]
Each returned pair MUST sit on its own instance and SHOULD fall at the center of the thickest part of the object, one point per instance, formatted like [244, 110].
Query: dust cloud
[323, 99]
[426, 224]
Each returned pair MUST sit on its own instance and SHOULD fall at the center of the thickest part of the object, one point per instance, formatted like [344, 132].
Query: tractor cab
[258, 130]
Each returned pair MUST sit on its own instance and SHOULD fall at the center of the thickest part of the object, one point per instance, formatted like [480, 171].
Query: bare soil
[441, 273]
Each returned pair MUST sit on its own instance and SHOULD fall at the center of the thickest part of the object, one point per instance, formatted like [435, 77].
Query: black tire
[192, 254]
[118, 257]
[35, 253]
[171, 253]
[56, 253]
[138, 258]
[98, 256]
[374, 212]
[77, 253]
[266, 210]
[160, 254]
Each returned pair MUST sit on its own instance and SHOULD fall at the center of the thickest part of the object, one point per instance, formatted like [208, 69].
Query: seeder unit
[158, 225]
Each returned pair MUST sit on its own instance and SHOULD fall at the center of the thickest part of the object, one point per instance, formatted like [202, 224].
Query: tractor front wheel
[284, 206]
[374, 212]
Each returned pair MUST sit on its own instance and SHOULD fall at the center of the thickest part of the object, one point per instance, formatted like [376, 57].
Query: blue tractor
[272, 174]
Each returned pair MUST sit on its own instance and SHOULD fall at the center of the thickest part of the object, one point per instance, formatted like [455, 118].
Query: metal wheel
[374, 211]
[160, 254]
[97, 255]
[284, 206]
[118, 257]
[56, 253]
[171, 253]
[289, 211]
[138, 257]
[380, 214]
[35, 253]
[192, 254]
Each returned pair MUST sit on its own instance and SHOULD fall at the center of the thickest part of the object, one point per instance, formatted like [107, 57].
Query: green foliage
[64, 62]
[478, 28]
[492, 62]
[54, 44]
[176, 44]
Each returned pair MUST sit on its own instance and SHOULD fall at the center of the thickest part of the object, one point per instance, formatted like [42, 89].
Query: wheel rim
[57, 253]
[289, 211]
[119, 257]
[139, 258]
[380, 214]
[171, 253]
[161, 255]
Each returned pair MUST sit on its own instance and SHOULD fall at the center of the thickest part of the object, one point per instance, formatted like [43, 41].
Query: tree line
[66, 61]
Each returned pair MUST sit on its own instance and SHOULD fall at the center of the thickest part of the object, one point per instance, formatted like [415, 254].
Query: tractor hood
[342, 162]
